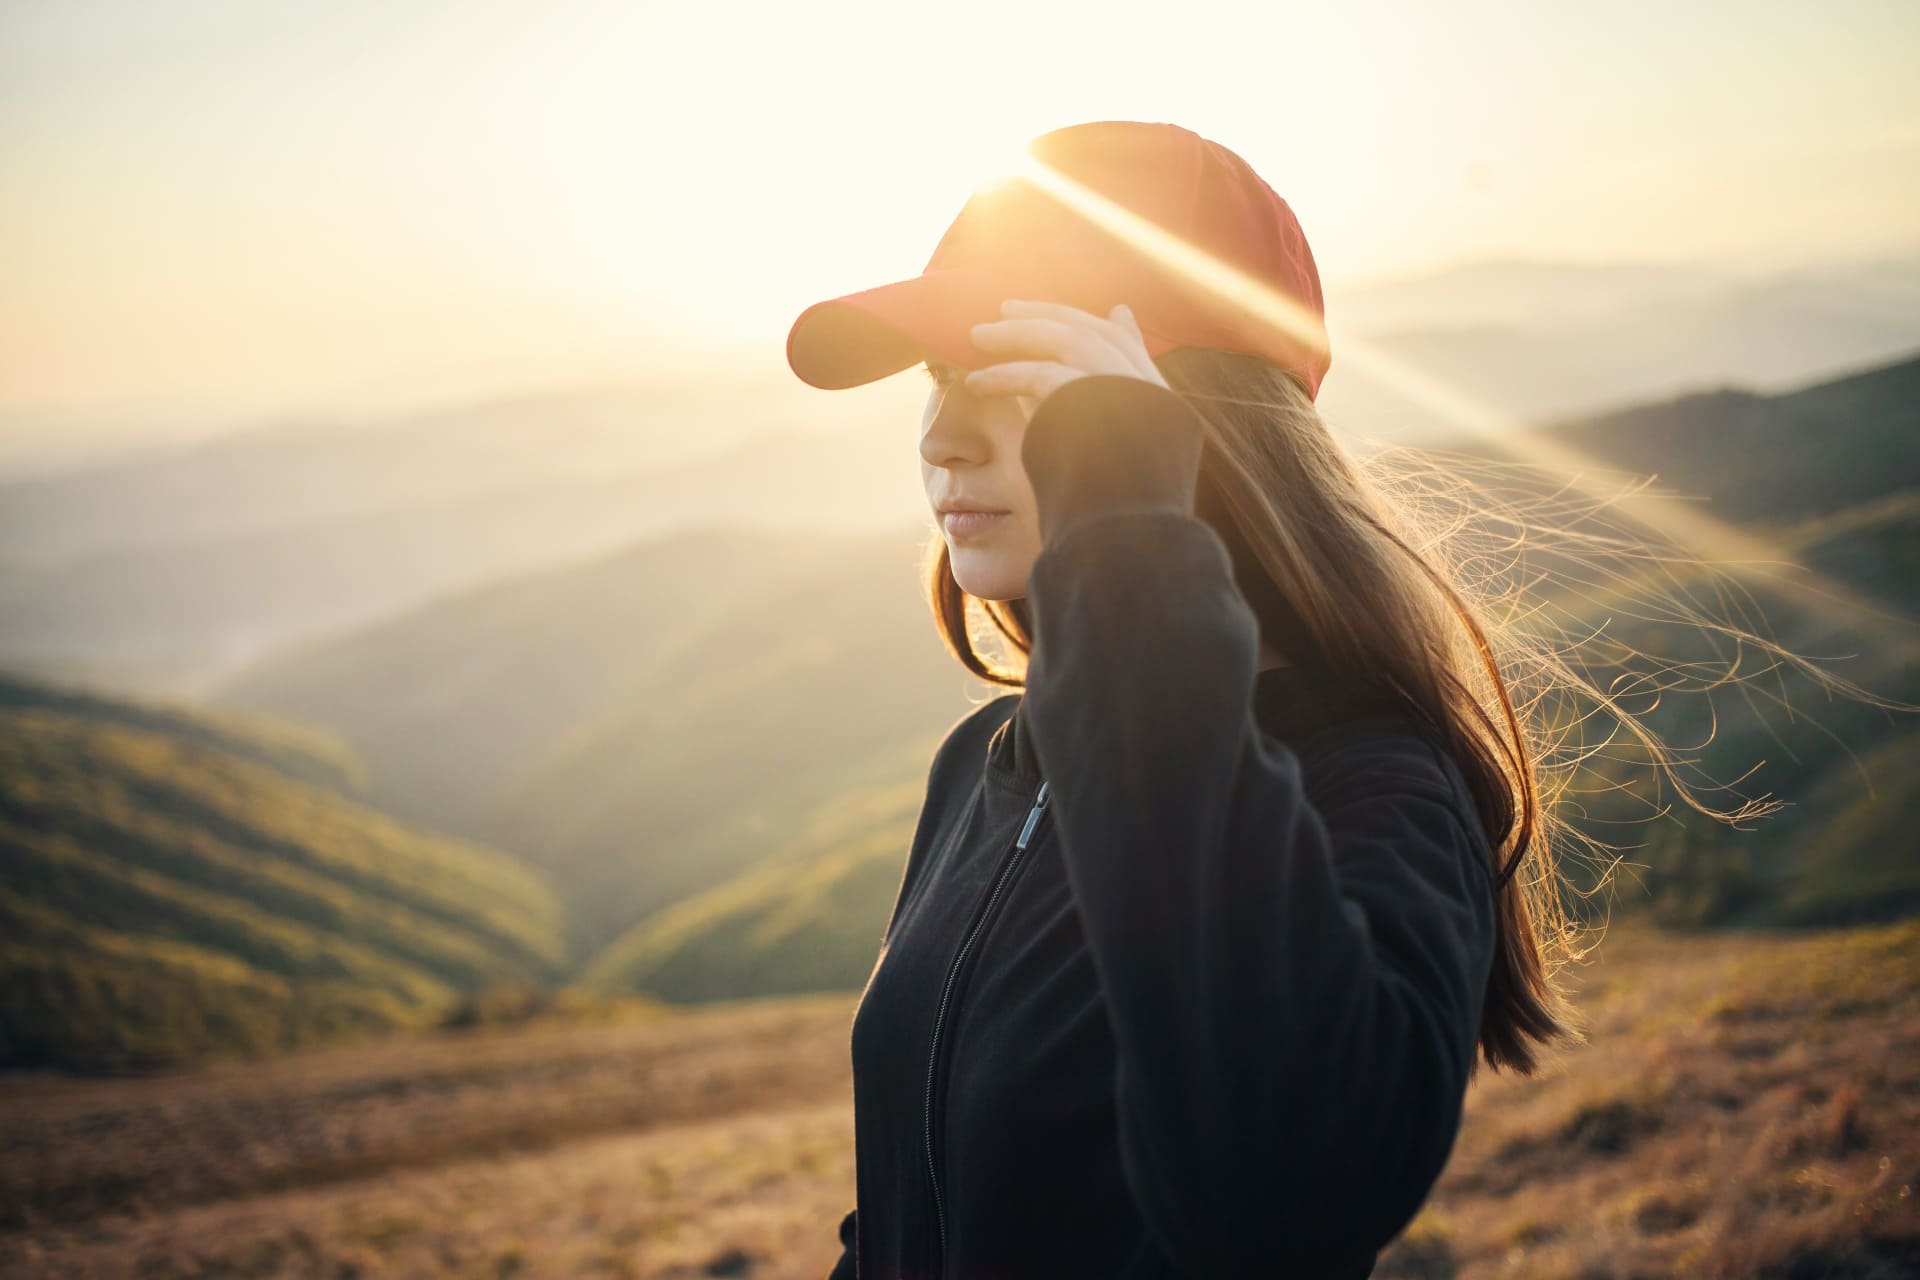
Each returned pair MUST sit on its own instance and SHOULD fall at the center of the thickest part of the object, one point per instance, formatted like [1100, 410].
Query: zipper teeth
[946, 992]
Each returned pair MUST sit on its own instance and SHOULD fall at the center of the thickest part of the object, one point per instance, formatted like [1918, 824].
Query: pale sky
[222, 206]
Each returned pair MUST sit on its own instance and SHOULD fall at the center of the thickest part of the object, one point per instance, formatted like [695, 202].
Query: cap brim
[861, 337]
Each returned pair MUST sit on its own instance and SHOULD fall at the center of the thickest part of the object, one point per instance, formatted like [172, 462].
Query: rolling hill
[170, 613]
[1810, 451]
[171, 886]
[648, 724]
[802, 920]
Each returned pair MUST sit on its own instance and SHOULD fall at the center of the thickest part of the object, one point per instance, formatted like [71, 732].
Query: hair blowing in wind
[1494, 597]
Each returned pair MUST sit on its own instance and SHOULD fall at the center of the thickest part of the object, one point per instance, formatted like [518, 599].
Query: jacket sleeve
[844, 1268]
[1295, 991]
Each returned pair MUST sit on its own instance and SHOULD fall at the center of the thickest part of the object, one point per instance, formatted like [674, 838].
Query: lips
[962, 523]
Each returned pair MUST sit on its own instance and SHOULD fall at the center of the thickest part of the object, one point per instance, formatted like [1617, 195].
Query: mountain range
[167, 571]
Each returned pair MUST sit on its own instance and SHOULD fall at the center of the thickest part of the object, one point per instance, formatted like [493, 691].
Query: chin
[985, 575]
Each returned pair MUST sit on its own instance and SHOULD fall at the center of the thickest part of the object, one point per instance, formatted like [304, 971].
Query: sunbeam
[1738, 551]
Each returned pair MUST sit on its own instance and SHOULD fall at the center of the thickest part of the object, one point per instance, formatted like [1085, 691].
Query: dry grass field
[1749, 1105]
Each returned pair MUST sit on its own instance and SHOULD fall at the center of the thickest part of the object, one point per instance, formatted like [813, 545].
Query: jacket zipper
[946, 992]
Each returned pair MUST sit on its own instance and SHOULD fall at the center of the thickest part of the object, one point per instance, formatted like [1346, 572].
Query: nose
[952, 429]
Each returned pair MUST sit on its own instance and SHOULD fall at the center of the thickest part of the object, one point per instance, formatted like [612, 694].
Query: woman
[1204, 928]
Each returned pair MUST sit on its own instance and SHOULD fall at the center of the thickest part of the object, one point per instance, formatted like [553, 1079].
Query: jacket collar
[1010, 757]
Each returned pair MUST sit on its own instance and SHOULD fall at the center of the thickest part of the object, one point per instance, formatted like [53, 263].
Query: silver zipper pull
[1033, 818]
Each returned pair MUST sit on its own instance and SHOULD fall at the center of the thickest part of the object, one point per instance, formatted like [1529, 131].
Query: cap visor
[861, 337]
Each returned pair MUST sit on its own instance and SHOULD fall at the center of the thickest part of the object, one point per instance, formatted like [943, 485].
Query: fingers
[1071, 335]
[1060, 340]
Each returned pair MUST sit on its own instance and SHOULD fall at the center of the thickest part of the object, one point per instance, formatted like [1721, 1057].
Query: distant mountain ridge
[168, 572]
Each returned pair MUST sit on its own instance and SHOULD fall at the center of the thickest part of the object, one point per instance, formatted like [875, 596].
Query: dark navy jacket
[1214, 1015]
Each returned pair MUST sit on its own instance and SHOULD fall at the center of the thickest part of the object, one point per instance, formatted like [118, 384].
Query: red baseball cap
[1179, 228]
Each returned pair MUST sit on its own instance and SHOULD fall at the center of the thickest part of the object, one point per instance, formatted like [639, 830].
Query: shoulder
[1379, 754]
[963, 747]
[1390, 778]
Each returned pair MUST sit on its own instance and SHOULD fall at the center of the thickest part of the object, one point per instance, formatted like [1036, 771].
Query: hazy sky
[214, 207]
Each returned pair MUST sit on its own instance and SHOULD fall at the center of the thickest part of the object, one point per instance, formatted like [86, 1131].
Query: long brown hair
[1354, 563]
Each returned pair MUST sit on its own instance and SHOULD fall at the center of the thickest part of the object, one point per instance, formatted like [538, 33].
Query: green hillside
[1829, 477]
[1771, 732]
[304, 754]
[808, 919]
[170, 886]
[1820, 449]
[1856, 863]
[643, 726]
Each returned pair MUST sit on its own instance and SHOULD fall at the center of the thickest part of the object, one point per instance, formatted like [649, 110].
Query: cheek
[1016, 485]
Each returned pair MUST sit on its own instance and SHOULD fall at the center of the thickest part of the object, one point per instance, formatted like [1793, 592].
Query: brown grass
[1748, 1106]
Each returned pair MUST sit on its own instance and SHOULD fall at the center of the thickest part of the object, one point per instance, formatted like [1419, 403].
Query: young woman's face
[970, 453]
